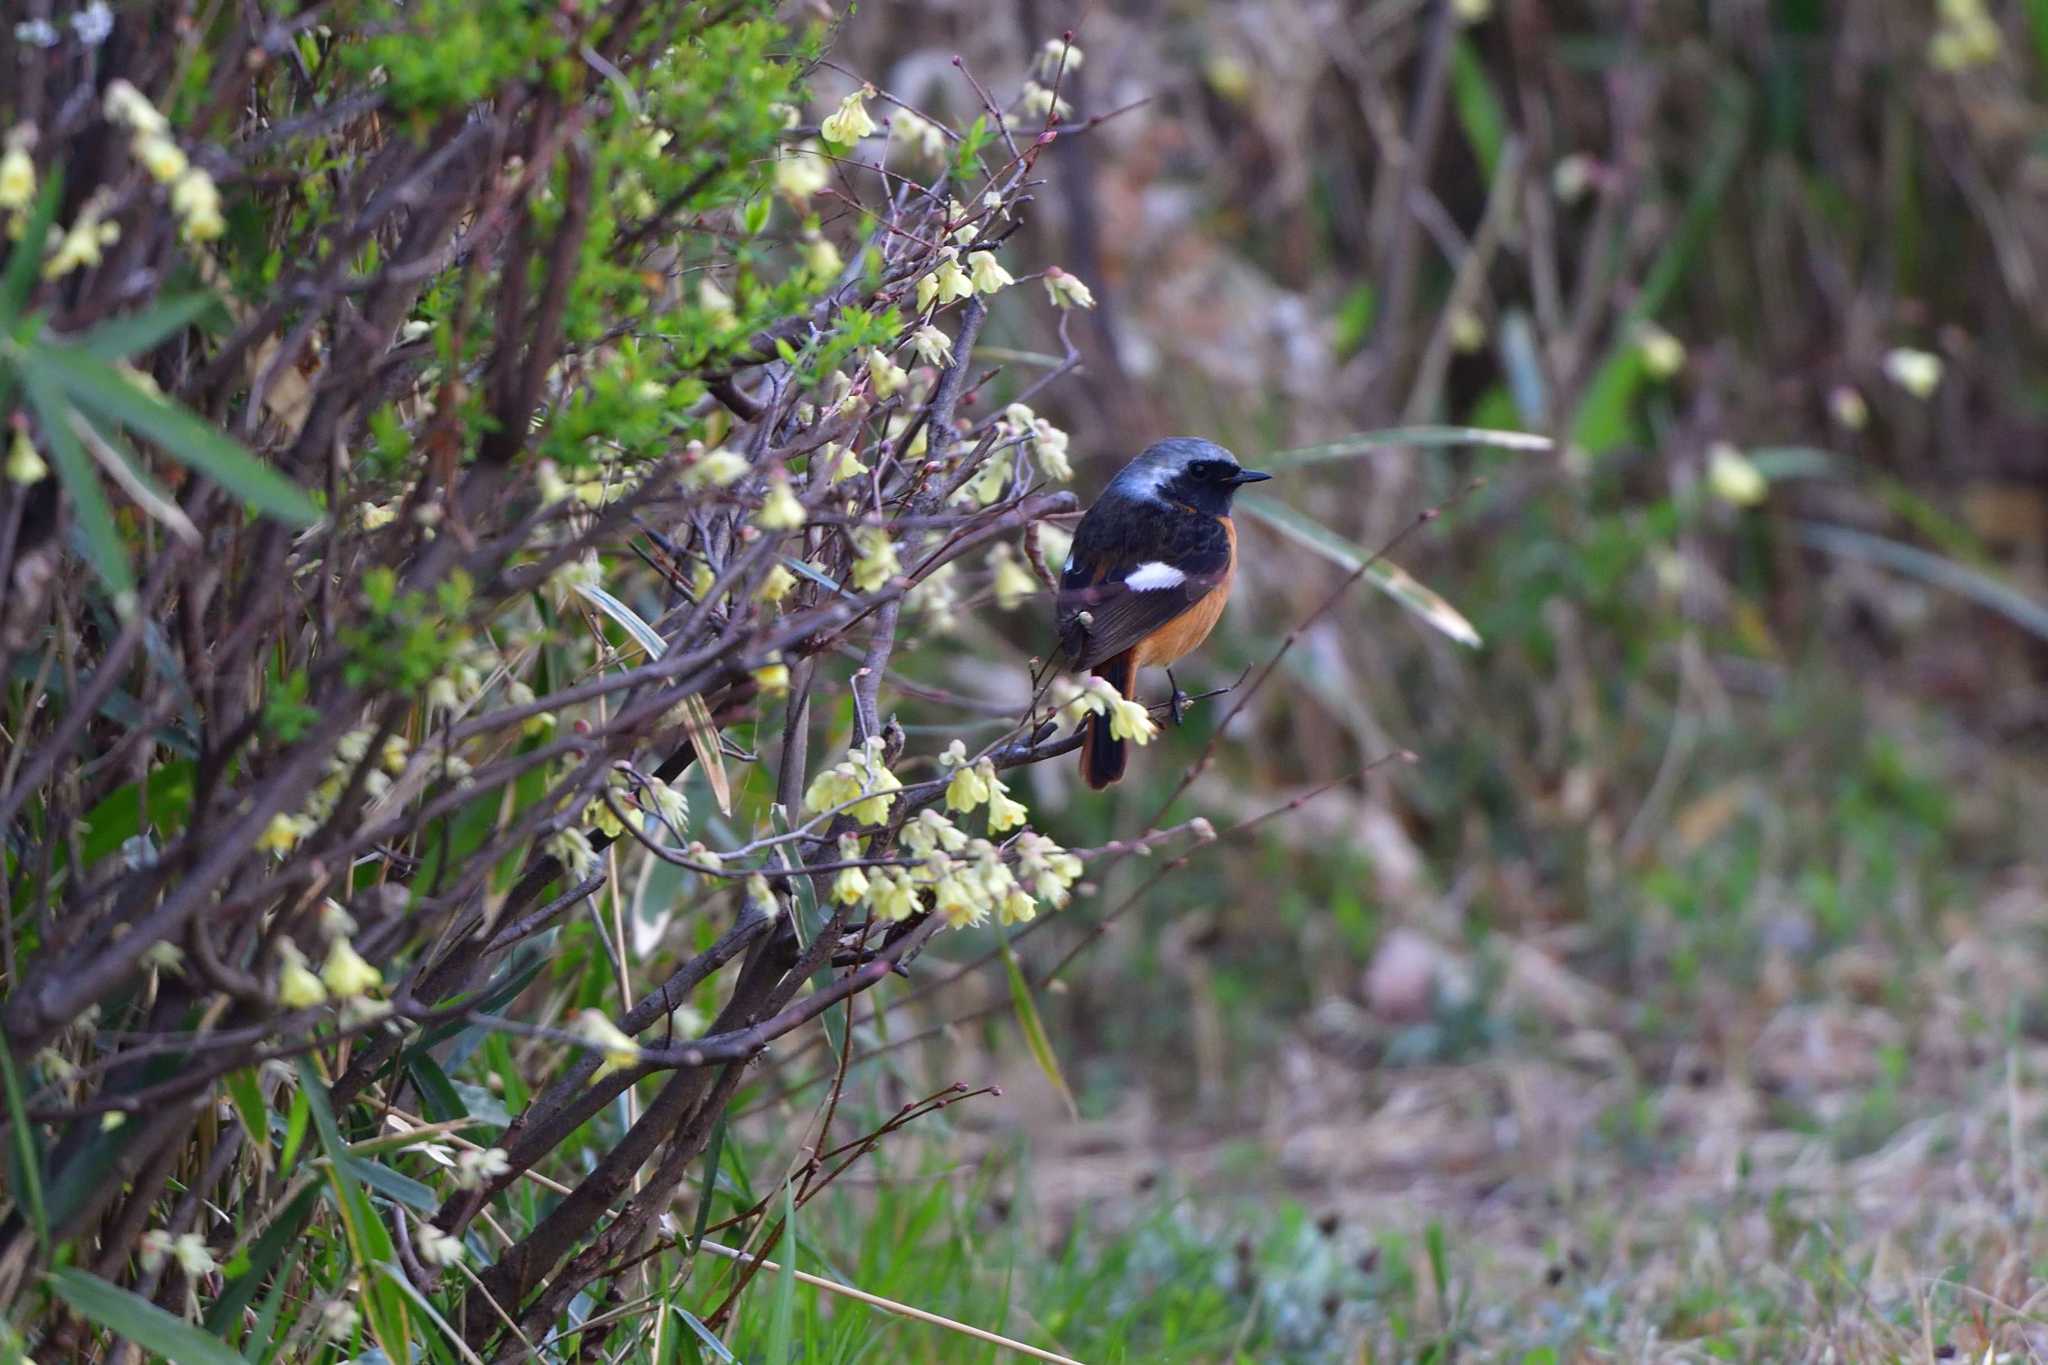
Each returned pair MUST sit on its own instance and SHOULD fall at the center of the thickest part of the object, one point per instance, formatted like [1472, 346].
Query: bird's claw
[1179, 702]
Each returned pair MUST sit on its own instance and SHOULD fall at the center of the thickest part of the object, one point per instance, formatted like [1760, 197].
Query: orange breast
[1178, 637]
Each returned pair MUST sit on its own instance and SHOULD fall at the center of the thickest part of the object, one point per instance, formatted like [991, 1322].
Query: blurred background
[1682, 998]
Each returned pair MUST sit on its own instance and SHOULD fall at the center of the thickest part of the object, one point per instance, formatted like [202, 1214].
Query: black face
[1208, 483]
[1222, 472]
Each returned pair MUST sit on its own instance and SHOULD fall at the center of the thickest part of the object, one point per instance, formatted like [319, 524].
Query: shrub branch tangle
[627, 406]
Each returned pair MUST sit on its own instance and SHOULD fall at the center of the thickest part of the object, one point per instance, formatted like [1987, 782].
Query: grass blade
[20, 280]
[29, 1161]
[1389, 578]
[134, 1318]
[1960, 579]
[782, 1322]
[1033, 1026]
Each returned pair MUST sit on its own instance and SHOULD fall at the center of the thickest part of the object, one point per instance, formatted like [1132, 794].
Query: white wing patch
[1154, 576]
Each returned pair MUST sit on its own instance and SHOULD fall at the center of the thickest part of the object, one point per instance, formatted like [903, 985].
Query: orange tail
[1103, 759]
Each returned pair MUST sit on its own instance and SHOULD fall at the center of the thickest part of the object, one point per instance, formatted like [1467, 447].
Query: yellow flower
[1013, 583]
[841, 463]
[283, 832]
[945, 283]
[438, 1248]
[1847, 407]
[24, 465]
[1005, 812]
[1131, 721]
[572, 850]
[161, 157]
[894, 895]
[720, 468]
[967, 790]
[1471, 11]
[850, 887]
[772, 679]
[1917, 372]
[1663, 354]
[297, 987]
[1018, 907]
[1067, 291]
[776, 584]
[933, 346]
[875, 561]
[822, 258]
[781, 509]
[1049, 444]
[888, 376]
[17, 179]
[129, 107]
[1734, 479]
[800, 172]
[621, 1053]
[987, 272]
[920, 134]
[1039, 101]
[81, 246]
[931, 833]
[346, 974]
[959, 901]
[851, 121]
[1058, 55]
[196, 201]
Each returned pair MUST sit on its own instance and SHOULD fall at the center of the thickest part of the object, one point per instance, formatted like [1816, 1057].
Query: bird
[1150, 569]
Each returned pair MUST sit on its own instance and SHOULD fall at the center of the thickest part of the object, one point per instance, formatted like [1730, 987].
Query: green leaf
[782, 1322]
[1398, 437]
[1978, 586]
[1389, 578]
[20, 279]
[103, 391]
[265, 1254]
[438, 1097]
[705, 1335]
[392, 1184]
[126, 338]
[28, 1162]
[136, 1319]
[103, 547]
[1478, 105]
[1033, 1027]
[300, 1115]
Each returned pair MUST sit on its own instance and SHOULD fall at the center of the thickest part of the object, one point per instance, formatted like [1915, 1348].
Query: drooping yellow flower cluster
[861, 775]
[1128, 720]
[194, 197]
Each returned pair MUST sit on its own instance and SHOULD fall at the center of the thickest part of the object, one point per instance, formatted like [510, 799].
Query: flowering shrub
[452, 453]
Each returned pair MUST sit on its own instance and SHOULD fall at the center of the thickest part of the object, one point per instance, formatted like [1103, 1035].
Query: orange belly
[1178, 638]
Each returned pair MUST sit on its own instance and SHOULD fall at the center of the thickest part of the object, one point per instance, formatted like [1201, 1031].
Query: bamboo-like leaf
[102, 391]
[697, 722]
[1978, 586]
[28, 1162]
[26, 253]
[133, 1318]
[103, 547]
[1388, 577]
[1033, 1028]
[707, 1338]
[126, 338]
[1426, 437]
[124, 469]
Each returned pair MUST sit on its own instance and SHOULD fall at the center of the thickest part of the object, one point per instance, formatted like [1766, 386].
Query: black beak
[1245, 476]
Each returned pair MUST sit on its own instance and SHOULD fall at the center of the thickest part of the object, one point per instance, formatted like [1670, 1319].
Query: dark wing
[1100, 612]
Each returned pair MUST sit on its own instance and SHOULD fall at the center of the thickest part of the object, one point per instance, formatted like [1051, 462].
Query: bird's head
[1186, 470]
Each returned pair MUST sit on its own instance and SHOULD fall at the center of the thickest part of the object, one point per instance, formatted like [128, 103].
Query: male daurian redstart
[1150, 571]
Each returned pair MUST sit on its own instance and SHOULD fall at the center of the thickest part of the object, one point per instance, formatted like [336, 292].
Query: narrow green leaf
[103, 547]
[1389, 578]
[1424, 437]
[782, 1322]
[1033, 1027]
[246, 1093]
[408, 1291]
[437, 1093]
[1478, 105]
[707, 1337]
[126, 338]
[26, 254]
[697, 722]
[2026, 612]
[393, 1184]
[28, 1160]
[265, 1338]
[136, 1319]
[266, 1252]
[102, 391]
[300, 1115]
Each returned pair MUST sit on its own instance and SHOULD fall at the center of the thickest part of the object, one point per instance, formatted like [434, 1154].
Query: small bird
[1150, 571]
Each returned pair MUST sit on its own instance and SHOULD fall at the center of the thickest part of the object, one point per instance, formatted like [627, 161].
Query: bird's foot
[1179, 702]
